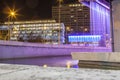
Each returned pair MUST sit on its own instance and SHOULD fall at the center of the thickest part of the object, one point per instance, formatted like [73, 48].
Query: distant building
[76, 17]
[4, 32]
[43, 31]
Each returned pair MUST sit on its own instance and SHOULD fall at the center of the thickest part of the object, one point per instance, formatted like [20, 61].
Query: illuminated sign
[84, 38]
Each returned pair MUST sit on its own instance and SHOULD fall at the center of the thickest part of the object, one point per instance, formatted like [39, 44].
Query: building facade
[76, 17]
[43, 31]
[86, 17]
[4, 30]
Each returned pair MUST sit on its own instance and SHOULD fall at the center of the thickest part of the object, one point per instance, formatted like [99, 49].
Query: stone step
[99, 64]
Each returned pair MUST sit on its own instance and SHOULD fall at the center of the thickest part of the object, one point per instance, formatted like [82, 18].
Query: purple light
[86, 3]
[100, 20]
[102, 4]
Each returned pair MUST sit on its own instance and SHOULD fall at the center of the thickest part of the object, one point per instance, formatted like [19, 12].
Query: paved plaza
[26, 72]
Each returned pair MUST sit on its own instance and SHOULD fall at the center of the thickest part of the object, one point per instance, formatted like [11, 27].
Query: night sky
[29, 9]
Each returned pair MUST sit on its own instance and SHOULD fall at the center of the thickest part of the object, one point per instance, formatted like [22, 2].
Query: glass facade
[43, 31]
[76, 16]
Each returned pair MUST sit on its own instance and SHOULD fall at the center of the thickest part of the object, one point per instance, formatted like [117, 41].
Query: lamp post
[59, 21]
[11, 16]
[112, 29]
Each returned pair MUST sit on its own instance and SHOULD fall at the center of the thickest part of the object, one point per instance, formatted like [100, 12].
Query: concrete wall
[116, 24]
[12, 49]
[97, 56]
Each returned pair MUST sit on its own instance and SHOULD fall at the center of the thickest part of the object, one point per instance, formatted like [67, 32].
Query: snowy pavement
[26, 72]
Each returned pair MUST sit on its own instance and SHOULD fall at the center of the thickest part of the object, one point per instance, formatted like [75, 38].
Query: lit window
[75, 20]
[81, 27]
[82, 5]
[85, 29]
[76, 5]
[72, 9]
[79, 9]
[45, 27]
[72, 16]
[86, 15]
[70, 5]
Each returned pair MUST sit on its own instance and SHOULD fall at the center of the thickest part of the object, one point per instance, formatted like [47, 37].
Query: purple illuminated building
[100, 18]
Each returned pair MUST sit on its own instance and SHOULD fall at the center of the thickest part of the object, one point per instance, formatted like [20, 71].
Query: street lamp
[12, 14]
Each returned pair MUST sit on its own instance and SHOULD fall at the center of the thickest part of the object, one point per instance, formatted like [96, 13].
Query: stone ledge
[97, 56]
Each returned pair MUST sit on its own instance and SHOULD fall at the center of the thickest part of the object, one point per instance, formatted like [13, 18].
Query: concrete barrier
[13, 49]
[97, 56]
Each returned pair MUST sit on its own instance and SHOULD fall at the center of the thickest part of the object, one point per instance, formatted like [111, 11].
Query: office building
[76, 17]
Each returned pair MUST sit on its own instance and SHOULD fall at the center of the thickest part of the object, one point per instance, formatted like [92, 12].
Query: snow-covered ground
[26, 72]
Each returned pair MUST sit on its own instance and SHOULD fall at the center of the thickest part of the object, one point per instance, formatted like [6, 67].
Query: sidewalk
[26, 72]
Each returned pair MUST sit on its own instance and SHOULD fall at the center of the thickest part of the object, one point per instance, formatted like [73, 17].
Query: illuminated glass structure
[44, 31]
[100, 18]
